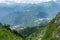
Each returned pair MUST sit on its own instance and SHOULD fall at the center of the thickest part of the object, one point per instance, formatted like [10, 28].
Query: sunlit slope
[7, 35]
[51, 31]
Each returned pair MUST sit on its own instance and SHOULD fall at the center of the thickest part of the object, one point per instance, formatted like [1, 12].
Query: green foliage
[27, 31]
[7, 35]
[34, 36]
[50, 28]
[32, 33]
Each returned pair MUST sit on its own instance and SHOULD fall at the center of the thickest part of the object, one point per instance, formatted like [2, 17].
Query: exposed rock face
[57, 21]
[56, 33]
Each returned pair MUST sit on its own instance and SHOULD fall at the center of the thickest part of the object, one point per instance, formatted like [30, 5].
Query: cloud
[24, 1]
[2, 1]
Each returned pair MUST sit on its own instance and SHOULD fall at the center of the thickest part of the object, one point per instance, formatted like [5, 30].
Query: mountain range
[26, 14]
[51, 31]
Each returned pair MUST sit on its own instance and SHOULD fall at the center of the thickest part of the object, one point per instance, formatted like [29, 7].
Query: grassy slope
[49, 31]
[38, 34]
[52, 28]
[45, 33]
[7, 35]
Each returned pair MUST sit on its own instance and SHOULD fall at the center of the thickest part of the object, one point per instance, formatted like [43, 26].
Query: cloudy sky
[23, 1]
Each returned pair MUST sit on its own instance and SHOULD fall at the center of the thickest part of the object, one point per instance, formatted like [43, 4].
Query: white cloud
[2, 1]
[23, 1]
[54, 0]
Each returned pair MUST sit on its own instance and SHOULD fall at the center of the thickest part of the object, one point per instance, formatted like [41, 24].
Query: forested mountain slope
[6, 34]
[51, 31]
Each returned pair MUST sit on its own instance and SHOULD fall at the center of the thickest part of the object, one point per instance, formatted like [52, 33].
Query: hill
[8, 35]
[51, 31]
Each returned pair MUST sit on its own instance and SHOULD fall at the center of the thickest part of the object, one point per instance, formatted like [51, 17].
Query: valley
[50, 31]
[29, 21]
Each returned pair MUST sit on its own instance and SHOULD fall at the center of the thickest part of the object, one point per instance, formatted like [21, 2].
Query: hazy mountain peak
[8, 2]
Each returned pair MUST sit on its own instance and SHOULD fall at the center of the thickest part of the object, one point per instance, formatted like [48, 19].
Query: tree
[7, 26]
[0, 24]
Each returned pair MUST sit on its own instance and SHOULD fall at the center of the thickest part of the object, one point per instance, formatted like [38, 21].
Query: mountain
[26, 14]
[54, 29]
[51, 31]
[26, 18]
[8, 35]
[50, 6]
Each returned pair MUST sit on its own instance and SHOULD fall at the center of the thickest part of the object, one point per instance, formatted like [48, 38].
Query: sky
[23, 1]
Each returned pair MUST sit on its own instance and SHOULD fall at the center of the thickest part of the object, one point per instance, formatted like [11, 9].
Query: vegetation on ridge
[6, 34]
[51, 31]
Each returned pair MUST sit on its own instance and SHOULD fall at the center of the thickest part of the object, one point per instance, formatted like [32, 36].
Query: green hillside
[51, 31]
[8, 35]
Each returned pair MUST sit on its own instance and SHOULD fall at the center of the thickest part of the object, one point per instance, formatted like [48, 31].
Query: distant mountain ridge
[26, 18]
[49, 6]
[26, 13]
